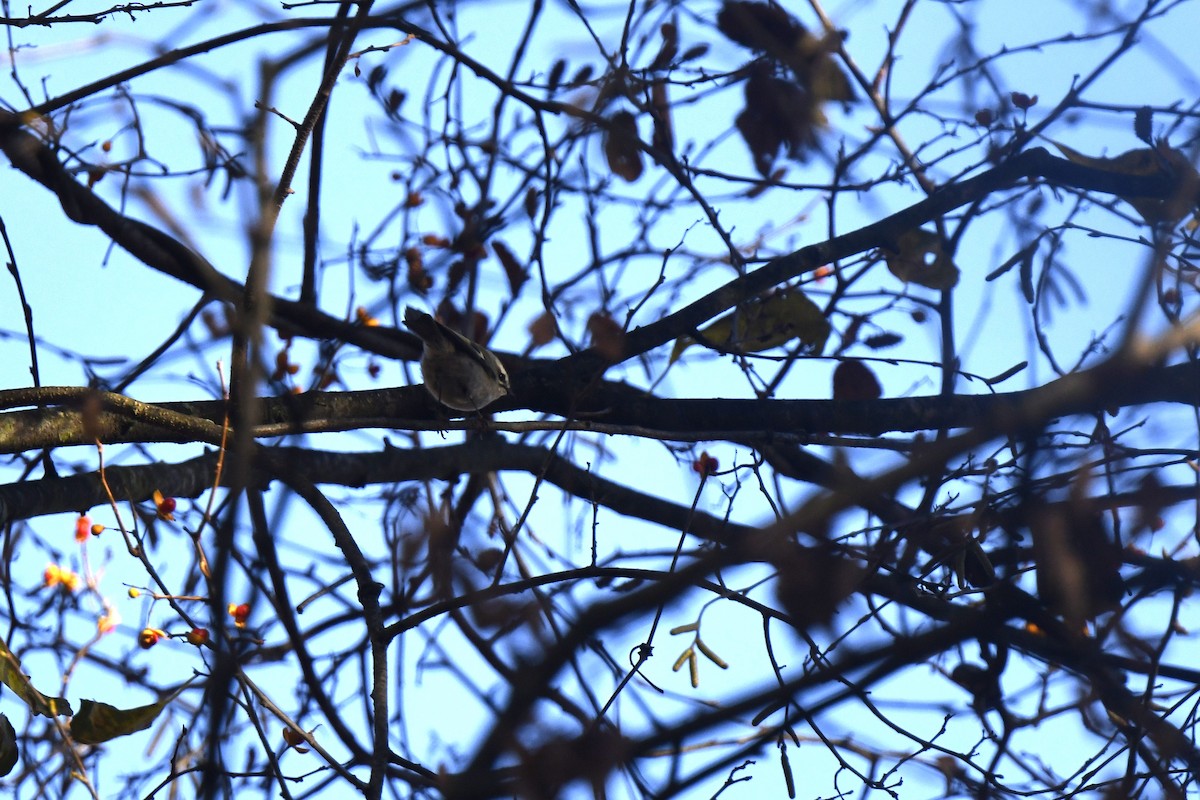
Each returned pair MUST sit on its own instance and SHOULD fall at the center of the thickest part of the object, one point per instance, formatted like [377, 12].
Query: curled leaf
[99, 722]
[660, 112]
[1023, 101]
[815, 67]
[9, 752]
[295, 740]
[14, 678]
[1078, 564]
[670, 46]
[810, 585]
[1161, 159]
[759, 26]
[515, 271]
[920, 258]
[1143, 124]
[608, 337]
[779, 114]
[982, 683]
[763, 323]
[542, 330]
[622, 147]
[705, 465]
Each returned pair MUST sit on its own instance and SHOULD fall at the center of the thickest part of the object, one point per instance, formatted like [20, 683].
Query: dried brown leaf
[622, 147]
[854, 380]
[607, 336]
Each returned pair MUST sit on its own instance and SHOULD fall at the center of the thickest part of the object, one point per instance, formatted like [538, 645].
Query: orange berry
[240, 614]
[164, 506]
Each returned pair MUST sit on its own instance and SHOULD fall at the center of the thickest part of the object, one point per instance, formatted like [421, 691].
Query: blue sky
[105, 306]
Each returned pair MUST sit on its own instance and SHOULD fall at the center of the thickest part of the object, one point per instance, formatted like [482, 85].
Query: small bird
[458, 372]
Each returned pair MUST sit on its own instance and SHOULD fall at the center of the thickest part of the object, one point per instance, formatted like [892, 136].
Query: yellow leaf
[919, 258]
[1145, 161]
[18, 681]
[763, 323]
[818, 70]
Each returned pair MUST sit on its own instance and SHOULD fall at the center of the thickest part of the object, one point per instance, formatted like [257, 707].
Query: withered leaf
[759, 26]
[770, 30]
[670, 47]
[763, 323]
[660, 112]
[779, 114]
[1161, 159]
[622, 147]
[556, 74]
[542, 330]
[9, 750]
[516, 273]
[607, 336]
[854, 380]
[920, 258]
[1078, 563]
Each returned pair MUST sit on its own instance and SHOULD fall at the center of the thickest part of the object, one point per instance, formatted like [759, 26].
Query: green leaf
[99, 722]
[763, 323]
